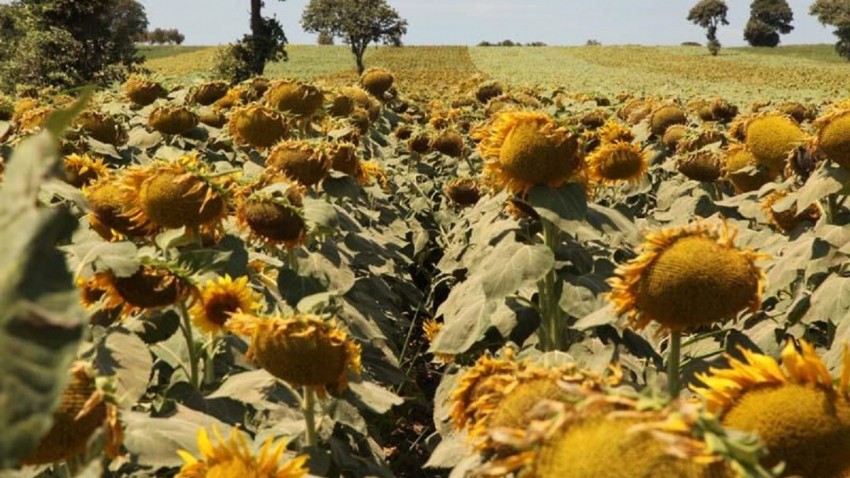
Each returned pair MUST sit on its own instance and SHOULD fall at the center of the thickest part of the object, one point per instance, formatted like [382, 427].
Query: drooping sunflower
[107, 215]
[834, 137]
[143, 92]
[101, 127]
[673, 135]
[772, 137]
[175, 120]
[219, 299]
[302, 350]
[665, 116]
[787, 220]
[149, 288]
[612, 132]
[463, 192]
[82, 170]
[679, 275]
[450, 143]
[296, 98]
[345, 160]
[33, 119]
[797, 410]
[616, 162]
[306, 162]
[233, 458]
[272, 211]
[704, 165]
[81, 411]
[524, 149]
[377, 81]
[743, 169]
[171, 195]
[257, 126]
[208, 93]
[480, 384]
[431, 328]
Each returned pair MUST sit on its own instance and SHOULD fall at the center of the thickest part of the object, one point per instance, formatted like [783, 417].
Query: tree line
[161, 36]
[769, 19]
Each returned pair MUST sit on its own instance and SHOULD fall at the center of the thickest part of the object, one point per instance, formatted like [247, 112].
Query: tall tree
[837, 14]
[710, 14]
[267, 40]
[357, 22]
[768, 19]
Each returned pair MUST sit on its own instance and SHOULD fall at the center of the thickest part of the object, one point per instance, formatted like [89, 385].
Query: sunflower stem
[186, 327]
[831, 208]
[549, 301]
[209, 361]
[673, 361]
[309, 409]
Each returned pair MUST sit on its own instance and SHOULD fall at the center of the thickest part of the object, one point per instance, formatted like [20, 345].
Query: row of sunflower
[280, 257]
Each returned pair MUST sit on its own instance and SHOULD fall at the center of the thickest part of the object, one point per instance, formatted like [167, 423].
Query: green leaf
[825, 181]
[565, 207]
[511, 265]
[118, 257]
[378, 399]
[125, 357]
[40, 317]
[831, 301]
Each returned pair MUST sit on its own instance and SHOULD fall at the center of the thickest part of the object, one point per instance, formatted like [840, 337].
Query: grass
[821, 52]
[153, 52]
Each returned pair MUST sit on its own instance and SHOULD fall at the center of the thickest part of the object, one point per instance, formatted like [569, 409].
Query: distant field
[797, 72]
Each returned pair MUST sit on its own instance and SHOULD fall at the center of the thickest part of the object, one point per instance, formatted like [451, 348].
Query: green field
[797, 72]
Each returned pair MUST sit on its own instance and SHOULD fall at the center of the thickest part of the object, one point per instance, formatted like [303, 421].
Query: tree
[837, 14]
[325, 38]
[357, 22]
[710, 14]
[248, 56]
[768, 19]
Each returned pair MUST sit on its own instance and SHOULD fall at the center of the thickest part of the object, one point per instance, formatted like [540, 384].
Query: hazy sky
[466, 22]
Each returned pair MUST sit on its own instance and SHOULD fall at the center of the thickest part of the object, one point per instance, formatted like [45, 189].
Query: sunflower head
[208, 93]
[797, 411]
[234, 458]
[796, 111]
[341, 106]
[481, 383]
[273, 217]
[722, 111]
[834, 137]
[613, 132]
[150, 287]
[107, 203]
[143, 92]
[257, 126]
[101, 127]
[524, 149]
[212, 117]
[364, 100]
[302, 350]
[488, 91]
[664, 117]
[236, 96]
[81, 411]
[704, 165]
[696, 140]
[420, 143]
[296, 98]
[303, 161]
[743, 169]
[33, 119]
[377, 81]
[615, 162]
[679, 275]
[463, 192]
[22, 106]
[172, 120]
[673, 135]
[222, 297]
[788, 219]
[82, 170]
[450, 143]
[431, 328]
[171, 195]
[771, 137]
[344, 159]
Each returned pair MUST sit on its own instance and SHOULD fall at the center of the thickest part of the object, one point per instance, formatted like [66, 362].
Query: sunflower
[612, 132]
[257, 126]
[681, 272]
[377, 81]
[302, 350]
[704, 165]
[419, 143]
[143, 92]
[431, 328]
[296, 98]
[148, 288]
[834, 137]
[221, 298]
[307, 162]
[208, 93]
[171, 195]
[107, 217]
[273, 216]
[33, 119]
[673, 135]
[615, 162]
[602, 434]
[373, 172]
[101, 127]
[525, 149]
[487, 91]
[482, 383]
[344, 159]
[463, 192]
[233, 458]
[797, 410]
[449, 143]
[788, 219]
[83, 170]
[772, 137]
[173, 120]
[743, 169]
[81, 411]
[664, 117]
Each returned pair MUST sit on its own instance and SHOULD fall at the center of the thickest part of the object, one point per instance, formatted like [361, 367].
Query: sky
[467, 22]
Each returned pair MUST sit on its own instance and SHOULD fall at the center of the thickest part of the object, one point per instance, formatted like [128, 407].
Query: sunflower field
[426, 271]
